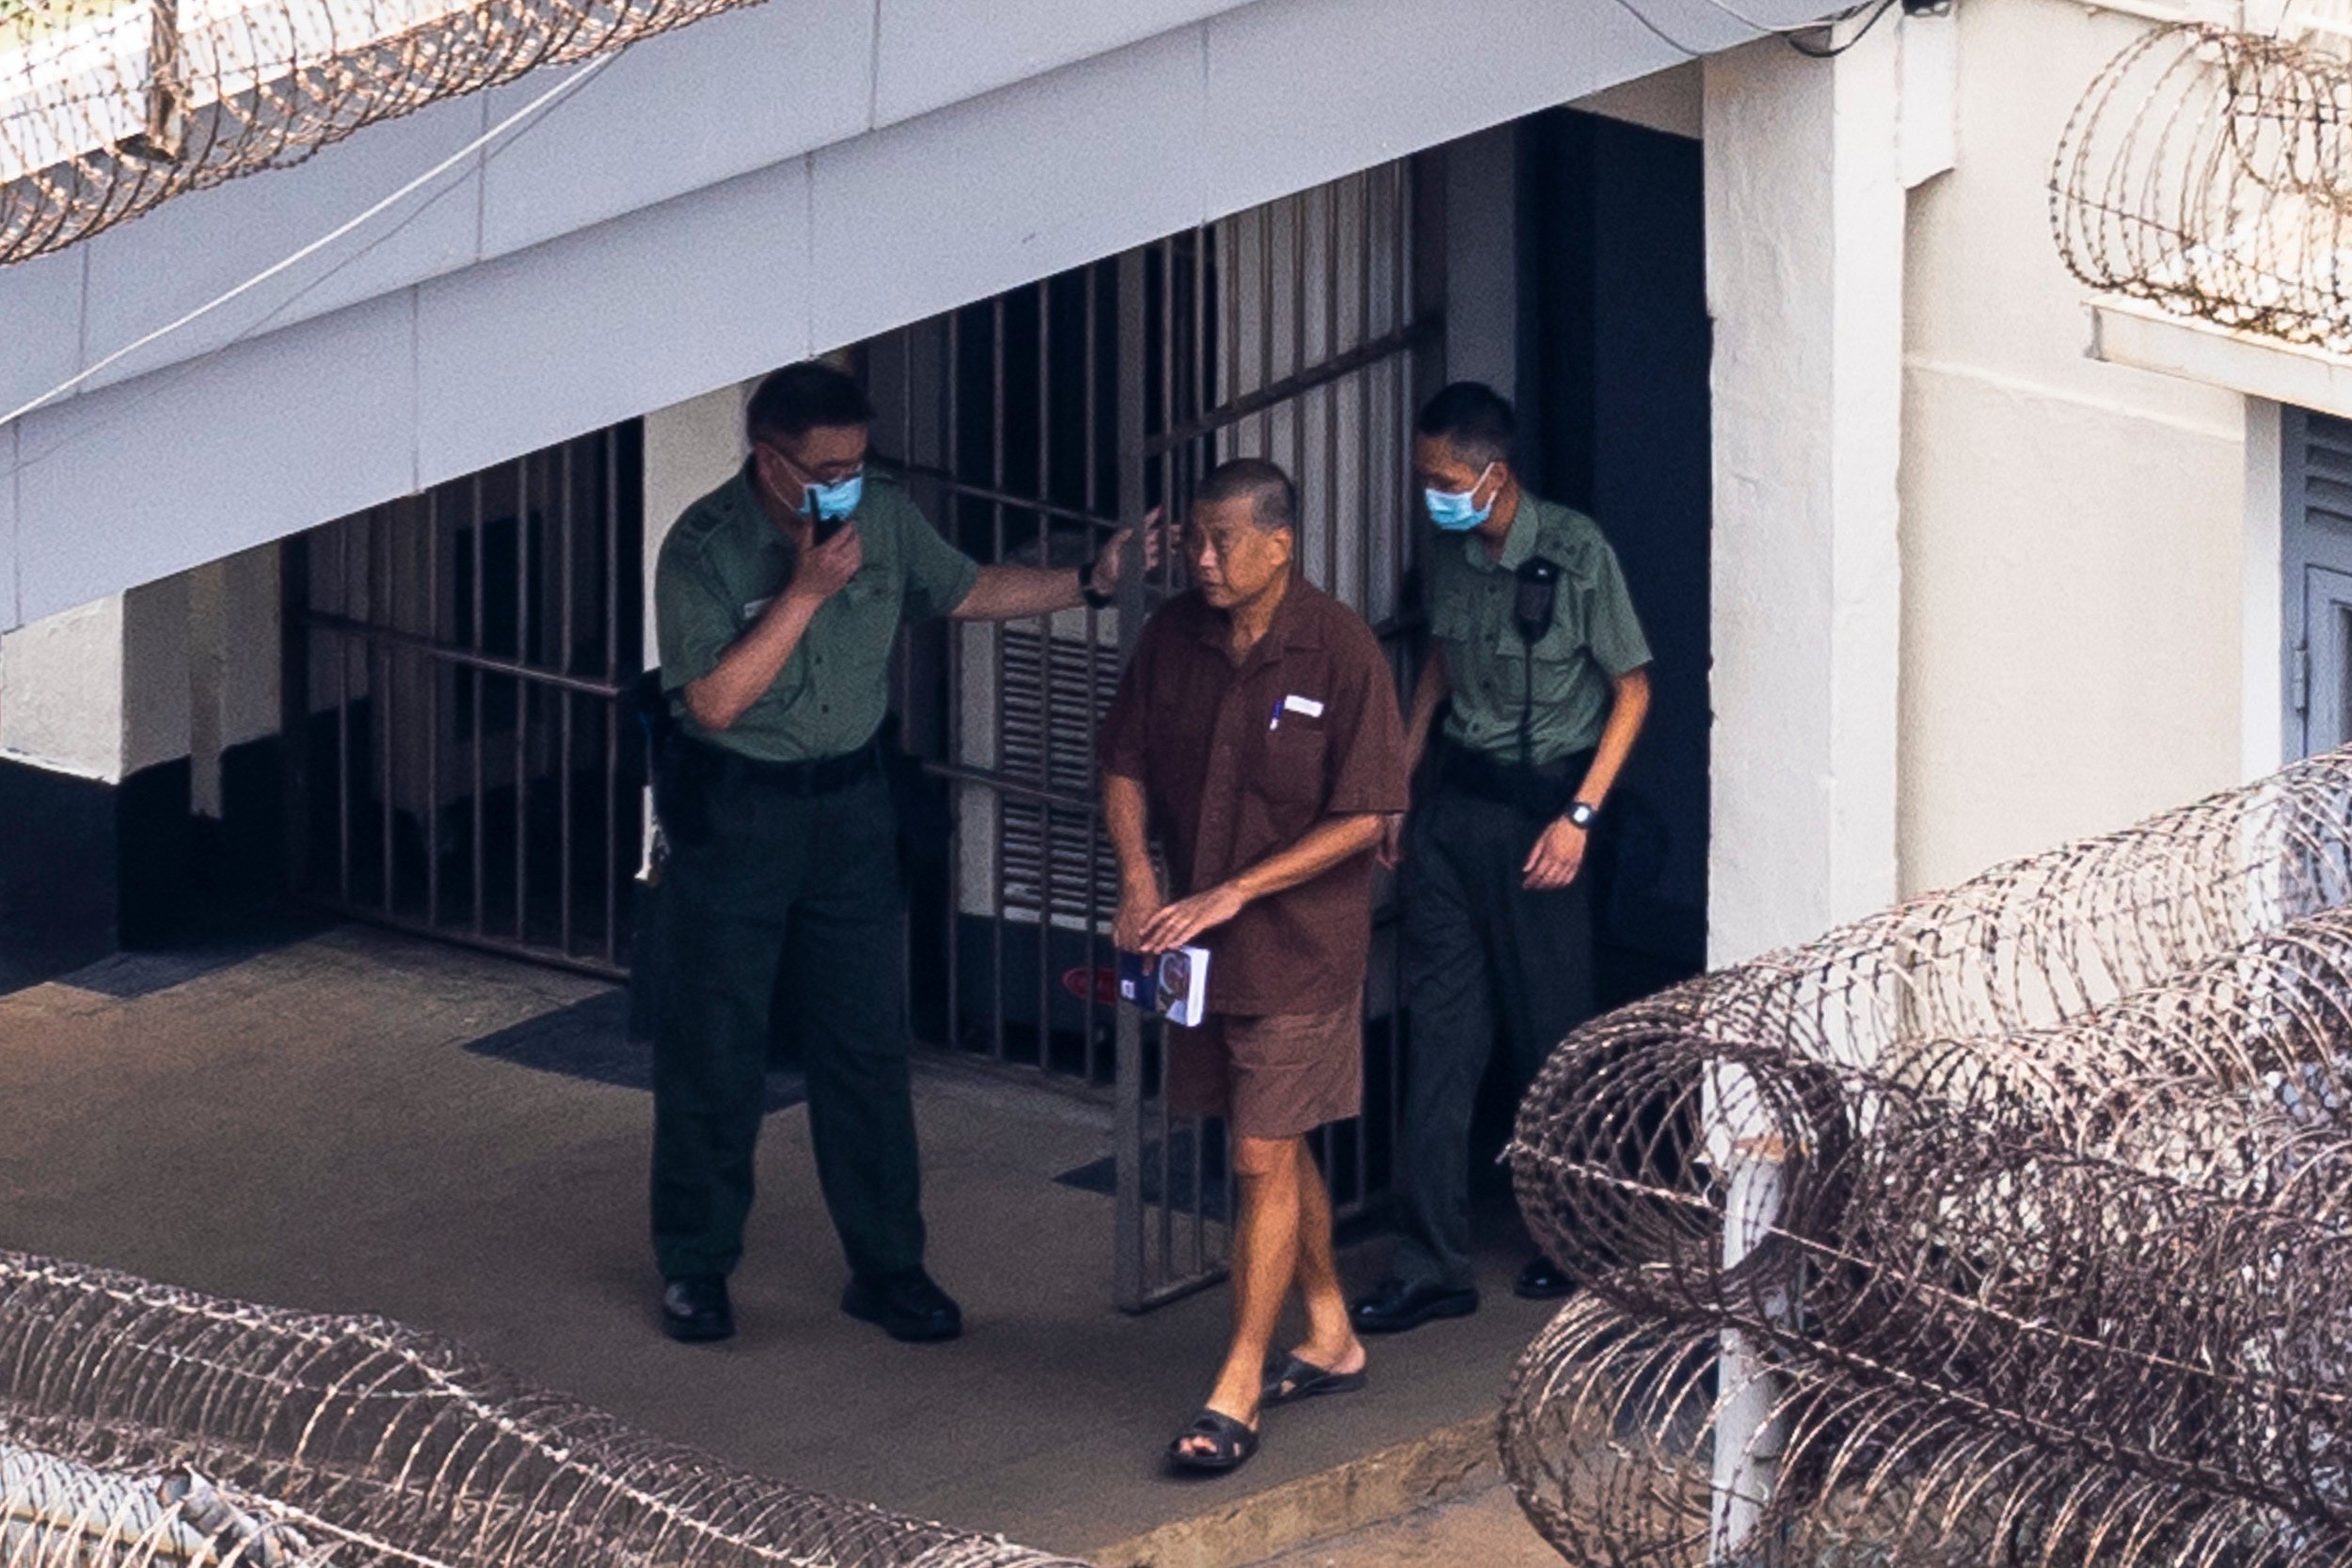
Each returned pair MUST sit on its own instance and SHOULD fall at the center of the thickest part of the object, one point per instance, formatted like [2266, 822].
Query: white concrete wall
[1672, 100]
[2076, 565]
[691, 449]
[61, 691]
[2263, 745]
[184, 667]
[1804, 266]
[101, 690]
[812, 178]
[157, 689]
[234, 662]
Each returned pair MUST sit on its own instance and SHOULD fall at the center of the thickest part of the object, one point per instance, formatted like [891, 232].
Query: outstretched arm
[1326, 845]
[1013, 593]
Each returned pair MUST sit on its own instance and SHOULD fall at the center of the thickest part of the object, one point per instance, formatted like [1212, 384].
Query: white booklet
[1174, 984]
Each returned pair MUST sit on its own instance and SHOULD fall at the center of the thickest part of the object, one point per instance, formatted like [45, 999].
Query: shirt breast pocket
[848, 647]
[1562, 643]
[755, 596]
[1545, 676]
[876, 582]
[1288, 770]
[1451, 621]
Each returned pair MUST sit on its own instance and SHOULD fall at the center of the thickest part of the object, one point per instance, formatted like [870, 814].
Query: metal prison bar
[2009, 1223]
[1329, 322]
[142, 1424]
[1031, 426]
[456, 669]
[456, 661]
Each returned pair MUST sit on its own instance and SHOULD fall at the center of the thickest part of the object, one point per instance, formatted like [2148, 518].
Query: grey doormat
[590, 1040]
[1102, 1176]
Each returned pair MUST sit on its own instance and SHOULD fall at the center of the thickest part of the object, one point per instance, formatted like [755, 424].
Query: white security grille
[1053, 691]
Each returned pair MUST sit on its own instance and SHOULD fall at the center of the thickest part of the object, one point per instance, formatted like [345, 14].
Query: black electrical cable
[1811, 51]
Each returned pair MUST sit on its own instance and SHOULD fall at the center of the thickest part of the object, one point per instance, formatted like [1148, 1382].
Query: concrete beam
[690, 448]
[578, 294]
[2144, 337]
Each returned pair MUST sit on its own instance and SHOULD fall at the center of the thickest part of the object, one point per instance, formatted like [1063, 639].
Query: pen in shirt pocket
[1274, 720]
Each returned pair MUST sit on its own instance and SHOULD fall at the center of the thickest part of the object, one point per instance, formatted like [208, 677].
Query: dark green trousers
[1485, 963]
[795, 901]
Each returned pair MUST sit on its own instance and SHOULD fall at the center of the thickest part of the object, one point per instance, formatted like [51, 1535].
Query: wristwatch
[1581, 814]
[1095, 601]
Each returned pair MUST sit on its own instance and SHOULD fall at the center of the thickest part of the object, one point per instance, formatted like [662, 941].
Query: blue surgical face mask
[1452, 511]
[832, 501]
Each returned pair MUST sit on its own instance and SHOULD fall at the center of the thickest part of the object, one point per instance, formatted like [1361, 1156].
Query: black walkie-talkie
[1538, 597]
[1532, 609]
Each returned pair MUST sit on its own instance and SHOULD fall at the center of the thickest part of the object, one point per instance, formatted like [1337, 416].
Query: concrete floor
[306, 1127]
[1488, 1530]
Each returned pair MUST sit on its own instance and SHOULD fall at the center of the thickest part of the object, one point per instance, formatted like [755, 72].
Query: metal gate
[1030, 425]
[456, 661]
[455, 670]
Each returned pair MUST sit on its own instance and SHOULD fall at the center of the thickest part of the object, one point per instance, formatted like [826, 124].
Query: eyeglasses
[830, 473]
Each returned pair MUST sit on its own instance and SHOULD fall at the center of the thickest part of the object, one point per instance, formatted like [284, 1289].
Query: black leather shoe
[694, 1309]
[1397, 1306]
[1543, 1280]
[907, 1307]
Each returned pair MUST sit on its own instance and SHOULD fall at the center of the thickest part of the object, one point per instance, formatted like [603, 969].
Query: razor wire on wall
[142, 1425]
[2210, 172]
[108, 107]
[2011, 1226]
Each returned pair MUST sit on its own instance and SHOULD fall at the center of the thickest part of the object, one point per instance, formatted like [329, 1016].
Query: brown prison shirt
[1240, 762]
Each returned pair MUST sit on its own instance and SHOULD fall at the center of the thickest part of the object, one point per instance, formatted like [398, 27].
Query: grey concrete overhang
[770, 182]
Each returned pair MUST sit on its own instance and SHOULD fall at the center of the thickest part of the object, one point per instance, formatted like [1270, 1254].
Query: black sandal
[1230, 1443]
[1297, 1378]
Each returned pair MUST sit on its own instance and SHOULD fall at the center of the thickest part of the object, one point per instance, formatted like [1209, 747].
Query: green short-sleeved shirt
[1594, 636]
[726, 559]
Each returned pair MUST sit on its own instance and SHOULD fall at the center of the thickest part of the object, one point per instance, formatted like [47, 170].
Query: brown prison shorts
[1277, 1076]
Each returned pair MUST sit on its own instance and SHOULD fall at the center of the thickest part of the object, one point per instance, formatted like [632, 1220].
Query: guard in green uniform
[1540, 663]
[779, 596]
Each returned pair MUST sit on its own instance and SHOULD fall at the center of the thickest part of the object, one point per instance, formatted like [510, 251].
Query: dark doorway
[1615, 344]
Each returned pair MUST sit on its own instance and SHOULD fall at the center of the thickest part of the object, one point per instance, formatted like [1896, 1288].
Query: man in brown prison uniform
[1257, 732]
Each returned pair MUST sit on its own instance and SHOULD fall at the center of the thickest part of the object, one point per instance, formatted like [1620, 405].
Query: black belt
[802, 780]
[1540, 789]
